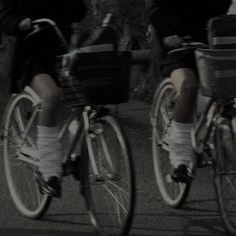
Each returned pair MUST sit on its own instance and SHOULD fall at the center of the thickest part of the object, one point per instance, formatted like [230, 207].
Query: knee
[47, 89]
[190, 88]
[52, 97]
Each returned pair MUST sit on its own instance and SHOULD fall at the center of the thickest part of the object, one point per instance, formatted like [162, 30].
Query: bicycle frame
[203, 122]
[29, 155]
[82, 129]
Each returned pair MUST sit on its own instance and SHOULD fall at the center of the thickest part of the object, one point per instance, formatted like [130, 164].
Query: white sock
[50, 152]
[181, 151]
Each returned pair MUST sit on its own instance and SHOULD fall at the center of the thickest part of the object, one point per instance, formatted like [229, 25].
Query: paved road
[68, 216]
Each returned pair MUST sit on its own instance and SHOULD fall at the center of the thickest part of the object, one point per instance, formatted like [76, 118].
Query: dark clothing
[37, 55]
[63, 12]
[184, 17]
[181, 60]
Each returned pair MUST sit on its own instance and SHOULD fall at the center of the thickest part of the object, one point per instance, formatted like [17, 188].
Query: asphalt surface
[68, 216]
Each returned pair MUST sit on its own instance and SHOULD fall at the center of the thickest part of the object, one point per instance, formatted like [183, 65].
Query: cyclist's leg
[50, 151]
[186, 82]
[181, 152]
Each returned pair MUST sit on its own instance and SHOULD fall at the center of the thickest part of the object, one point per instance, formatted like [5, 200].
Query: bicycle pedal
[169, 179]
[92, 136]
[98, 131]
[99, 179]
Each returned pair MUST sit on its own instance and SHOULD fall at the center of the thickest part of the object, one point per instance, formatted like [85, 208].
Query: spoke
[122, 179]
[31, 142]
[163, 112]
[230, 183]
[111, 213]
[30, 122]
[23, 134]
[27, 159]
[106, 152]
[32, 195]
[119, 188]
[91, 155]
[115, 198]
[19, 120]
[15, 135]
[119, 212]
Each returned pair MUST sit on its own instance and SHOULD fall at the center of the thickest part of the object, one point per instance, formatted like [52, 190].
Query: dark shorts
[39, 64]
[183, 59]
[38, 56]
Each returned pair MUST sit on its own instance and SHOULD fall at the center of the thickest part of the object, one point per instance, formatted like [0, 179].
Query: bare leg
[50, 151]
[186, 82]
[181, 151]
[50, 93]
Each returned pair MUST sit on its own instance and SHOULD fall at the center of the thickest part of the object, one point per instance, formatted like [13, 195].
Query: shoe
[52, 187]
[182, 174]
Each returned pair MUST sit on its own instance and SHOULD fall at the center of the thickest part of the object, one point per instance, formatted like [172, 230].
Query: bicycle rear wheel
[20, 156]
[225, 176]
[110, 194]
[173, 194]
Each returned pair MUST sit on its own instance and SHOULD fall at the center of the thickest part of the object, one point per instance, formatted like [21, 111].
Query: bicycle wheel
[110, 193]
[20, 156]
[225, 176]
[171, 192]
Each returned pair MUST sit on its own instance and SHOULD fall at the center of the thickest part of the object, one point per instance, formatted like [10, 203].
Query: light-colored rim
[16, 199]
[167, 84]
[95, 221]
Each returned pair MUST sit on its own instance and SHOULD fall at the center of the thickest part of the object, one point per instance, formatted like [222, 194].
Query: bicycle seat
[176, 55]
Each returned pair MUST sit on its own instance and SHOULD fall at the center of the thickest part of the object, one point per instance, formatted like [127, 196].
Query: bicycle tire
[20, 173]
[172, 193]
[110, 188]
[225, 179]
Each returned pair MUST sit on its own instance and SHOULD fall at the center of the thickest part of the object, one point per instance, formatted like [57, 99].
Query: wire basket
[217, 72]
[95, 78]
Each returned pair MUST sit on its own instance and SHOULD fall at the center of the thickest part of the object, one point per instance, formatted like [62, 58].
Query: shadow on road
[202, 222]
[36, 232]
[213, 226]
[60, 218]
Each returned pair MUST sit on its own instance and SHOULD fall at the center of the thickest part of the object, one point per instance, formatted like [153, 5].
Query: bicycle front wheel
[111, 185]
[225, 176]
[20, 156]
[171, 192]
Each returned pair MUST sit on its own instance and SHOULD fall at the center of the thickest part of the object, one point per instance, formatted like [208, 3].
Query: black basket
[217, 72]
[95, 78]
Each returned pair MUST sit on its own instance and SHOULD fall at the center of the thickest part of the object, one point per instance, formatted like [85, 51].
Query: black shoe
[182, 174]
[52, 187]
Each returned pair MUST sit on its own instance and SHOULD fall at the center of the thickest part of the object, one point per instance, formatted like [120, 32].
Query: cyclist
[34, 66]
[173, 20]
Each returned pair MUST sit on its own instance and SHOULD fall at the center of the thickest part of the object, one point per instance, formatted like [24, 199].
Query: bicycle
[98, 154]
[213, 135]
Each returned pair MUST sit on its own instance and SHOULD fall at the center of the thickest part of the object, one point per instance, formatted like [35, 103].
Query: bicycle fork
[88, 140]
[100, 172]
[202, 135]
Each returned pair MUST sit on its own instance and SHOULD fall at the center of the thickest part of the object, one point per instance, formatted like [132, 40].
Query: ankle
[181, 151]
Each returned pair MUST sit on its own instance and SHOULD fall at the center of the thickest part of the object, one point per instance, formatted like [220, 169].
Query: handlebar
[44, 20]
[53, 25]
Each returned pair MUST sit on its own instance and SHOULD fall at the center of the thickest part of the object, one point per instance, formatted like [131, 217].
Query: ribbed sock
[50, 152]
[181, 151]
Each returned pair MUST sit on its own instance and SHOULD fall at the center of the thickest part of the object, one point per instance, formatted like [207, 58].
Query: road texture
[68, 216]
